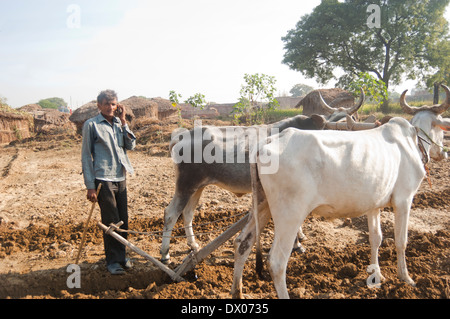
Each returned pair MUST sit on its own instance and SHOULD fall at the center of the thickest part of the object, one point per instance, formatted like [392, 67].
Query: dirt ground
[43, 209]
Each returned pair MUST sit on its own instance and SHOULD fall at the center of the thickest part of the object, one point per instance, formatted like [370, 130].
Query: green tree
[440, 62]
[373, 87]
[300, 90]
[197, 101]
[341, 36]
[52, 103]
[257, 97]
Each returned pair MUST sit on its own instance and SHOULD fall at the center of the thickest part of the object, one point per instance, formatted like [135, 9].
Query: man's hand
[92, 195]
[122, 114]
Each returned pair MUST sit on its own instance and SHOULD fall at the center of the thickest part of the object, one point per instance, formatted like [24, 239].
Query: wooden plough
[191, 260]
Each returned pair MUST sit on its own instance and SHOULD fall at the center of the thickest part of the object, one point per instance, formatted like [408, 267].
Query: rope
[445, 149]
[155, 233]
[425, 156]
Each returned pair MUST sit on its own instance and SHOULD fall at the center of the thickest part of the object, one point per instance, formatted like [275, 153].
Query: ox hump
[399, 123]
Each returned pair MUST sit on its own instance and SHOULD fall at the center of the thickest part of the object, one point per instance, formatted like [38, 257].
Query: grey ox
[340, 174]
[193, 176]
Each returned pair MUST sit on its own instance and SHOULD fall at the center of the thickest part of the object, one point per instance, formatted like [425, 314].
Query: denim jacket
[104, 150]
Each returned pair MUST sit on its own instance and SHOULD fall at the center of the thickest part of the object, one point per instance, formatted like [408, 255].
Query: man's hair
[107, 95]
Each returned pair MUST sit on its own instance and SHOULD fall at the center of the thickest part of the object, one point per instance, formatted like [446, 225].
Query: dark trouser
[112, 200]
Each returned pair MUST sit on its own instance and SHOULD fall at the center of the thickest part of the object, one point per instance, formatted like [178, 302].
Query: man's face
[107, 108]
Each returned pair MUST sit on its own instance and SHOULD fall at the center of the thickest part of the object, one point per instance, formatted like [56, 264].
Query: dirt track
[43, 208]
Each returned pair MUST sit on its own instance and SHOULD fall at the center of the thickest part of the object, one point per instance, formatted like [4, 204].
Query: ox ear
[319, 121]
[443, 124]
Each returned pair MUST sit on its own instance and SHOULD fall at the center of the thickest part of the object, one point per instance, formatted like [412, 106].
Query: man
[106, 139]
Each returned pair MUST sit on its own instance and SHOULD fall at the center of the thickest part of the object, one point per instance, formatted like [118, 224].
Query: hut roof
[30, 108]
[333, 97]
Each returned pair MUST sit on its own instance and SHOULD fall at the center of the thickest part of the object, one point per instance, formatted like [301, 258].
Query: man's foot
[128, 264]
[115, 269]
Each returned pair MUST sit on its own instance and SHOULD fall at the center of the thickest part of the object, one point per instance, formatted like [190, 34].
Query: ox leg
[188, 216]
[298, 247]
[243, 246]
[401, 239]
[171, 215]
[279, 256]
[375, 236]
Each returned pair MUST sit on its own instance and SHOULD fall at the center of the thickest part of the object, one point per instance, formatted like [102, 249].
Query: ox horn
[324, 104]
[356, 107]
[446, 104]
[350, 125]
[438, 109]
[350, 110]
[356, 126]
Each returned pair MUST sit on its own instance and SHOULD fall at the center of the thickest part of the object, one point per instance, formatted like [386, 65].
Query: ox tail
[257, 192]
[171, 145]
[178, 135]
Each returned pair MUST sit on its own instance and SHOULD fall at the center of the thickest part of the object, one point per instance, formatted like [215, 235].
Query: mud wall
[13, 127]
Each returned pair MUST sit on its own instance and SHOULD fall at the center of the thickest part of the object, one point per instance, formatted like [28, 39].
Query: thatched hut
[137, 107]
[48, 119]
[30, 108]
[89, 110]
[334, 97]
[85, 112]
[141, 107]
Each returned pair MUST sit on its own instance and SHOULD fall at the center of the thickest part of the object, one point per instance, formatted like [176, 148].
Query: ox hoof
[237, 295]
[409, 281]
[165, 261]
[300, 249]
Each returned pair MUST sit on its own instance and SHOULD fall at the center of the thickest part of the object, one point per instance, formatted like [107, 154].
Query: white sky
[147, 48]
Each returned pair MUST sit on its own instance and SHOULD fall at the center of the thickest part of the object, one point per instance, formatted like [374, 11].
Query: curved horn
[349, 111]
[350, 125]
[437, 109]
[356, 107]
[324, 104]
[405, 107]
[356, 126]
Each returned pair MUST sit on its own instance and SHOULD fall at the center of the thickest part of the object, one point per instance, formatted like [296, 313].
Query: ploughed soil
[43, 210]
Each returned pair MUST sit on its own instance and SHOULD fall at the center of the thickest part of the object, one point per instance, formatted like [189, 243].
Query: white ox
[192, 177]
[339, 174]
[429, 119]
